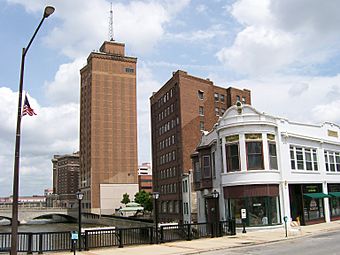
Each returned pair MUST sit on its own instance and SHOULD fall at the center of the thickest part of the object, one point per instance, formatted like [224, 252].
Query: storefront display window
[261, 211]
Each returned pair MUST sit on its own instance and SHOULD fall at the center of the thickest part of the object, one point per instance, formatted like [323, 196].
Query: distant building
[145, 177]
[24, 201]
[189, 198]
[66, 178]
[108, 128]
[269, 166]
[180, 110]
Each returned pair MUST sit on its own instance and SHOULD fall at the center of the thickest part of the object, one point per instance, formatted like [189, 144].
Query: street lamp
[14, 236]
[79, 196]
[155, 196]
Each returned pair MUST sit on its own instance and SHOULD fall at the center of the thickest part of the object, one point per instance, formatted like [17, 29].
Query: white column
[243, 153]
[223, 156]
[265, 151]
[285, 201]
[326, 208]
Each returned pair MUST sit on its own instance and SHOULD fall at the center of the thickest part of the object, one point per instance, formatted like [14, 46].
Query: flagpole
[14, 236]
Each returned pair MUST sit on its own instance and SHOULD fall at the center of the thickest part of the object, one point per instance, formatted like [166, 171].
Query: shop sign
[311, 188]
[332, 133]
[253, 136]
[258, 204]
[232, 138]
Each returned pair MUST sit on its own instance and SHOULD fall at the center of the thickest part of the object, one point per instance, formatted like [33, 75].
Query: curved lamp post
[155, 196]
[79, 196]
[14, 237]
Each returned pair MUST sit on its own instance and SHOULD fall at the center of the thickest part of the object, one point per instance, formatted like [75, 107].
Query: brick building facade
[180, 110]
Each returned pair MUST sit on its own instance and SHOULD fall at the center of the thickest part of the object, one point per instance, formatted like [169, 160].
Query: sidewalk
[209, 244]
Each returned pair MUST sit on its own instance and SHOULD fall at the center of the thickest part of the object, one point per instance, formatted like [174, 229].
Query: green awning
[316, 195]
[334, 194]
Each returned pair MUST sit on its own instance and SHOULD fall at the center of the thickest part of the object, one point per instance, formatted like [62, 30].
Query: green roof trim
[316, 195]
[334, 194]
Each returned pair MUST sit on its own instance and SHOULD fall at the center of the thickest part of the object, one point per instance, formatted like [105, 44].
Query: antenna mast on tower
[111, 24]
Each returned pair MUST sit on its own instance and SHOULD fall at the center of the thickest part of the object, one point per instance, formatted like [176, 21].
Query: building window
[332, 161]
[222, 98]
[254, 151]
[272, 151]
[206, 166]
[213, 165]
[201, 111]
[217, 111]
[232, 153]
[200, 94]
[303, 158]
[243, 100]
[129, 70]
[201, 125]
[216, 96]
[238, 98]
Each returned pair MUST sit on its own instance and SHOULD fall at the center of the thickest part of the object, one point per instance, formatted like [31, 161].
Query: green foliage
[145, 199]
[125, 199]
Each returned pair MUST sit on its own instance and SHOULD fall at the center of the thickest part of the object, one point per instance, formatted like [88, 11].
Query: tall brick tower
[108, 128]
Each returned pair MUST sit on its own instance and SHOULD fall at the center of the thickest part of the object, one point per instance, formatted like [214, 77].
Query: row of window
[167, 111]
[169, 188]
[303, 158]
[167, 142]
[217, 111]
[186, 208]
[254, 152]
[168, 157]
[168, 173]
[166, 97]
[170, 206]
[168, 126]
[219, 97]
[332, 161]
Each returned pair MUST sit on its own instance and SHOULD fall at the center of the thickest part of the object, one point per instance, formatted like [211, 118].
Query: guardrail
[96, 238]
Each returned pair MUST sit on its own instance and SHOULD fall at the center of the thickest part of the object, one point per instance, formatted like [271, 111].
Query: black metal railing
[119, 237]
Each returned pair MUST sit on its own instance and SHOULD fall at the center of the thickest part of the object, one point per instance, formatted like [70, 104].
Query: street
[310, 245]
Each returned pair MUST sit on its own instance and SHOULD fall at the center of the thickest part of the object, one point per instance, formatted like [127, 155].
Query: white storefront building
[270, 166]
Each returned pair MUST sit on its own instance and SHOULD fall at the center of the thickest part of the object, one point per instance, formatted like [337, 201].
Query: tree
[125, 199]
[145, 199]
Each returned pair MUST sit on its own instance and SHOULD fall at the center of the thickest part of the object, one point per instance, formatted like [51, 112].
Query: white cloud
[146, 85]
[277, 35]
[199, 36]
[53, 130]
[329, 111]
[65, 87]
[201, 8]
[84, 25]
[298, 89]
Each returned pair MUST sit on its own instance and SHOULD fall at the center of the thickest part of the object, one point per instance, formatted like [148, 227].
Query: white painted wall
[112, 194]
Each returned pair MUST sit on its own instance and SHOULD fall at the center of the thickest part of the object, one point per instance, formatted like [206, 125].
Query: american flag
[27, 108]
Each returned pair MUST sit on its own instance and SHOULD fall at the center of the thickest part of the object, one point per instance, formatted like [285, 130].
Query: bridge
[28, 214]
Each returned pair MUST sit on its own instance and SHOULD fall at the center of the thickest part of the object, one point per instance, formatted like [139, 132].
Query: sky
[286, 52]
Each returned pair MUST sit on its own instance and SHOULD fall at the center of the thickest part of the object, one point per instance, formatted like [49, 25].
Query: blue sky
[285, 52]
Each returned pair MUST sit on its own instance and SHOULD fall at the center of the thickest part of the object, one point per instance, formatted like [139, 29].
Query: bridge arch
[56, 216]
[6, 218]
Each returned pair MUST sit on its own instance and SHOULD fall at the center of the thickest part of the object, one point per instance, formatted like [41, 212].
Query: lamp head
[79, 195]
[48, 11]
[155, 195]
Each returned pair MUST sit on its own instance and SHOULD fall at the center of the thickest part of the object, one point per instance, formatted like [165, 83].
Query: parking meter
[74, 239]
[285, 219]
[244, 217]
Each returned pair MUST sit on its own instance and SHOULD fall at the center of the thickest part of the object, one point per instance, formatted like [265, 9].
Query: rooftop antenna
[111, 24]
